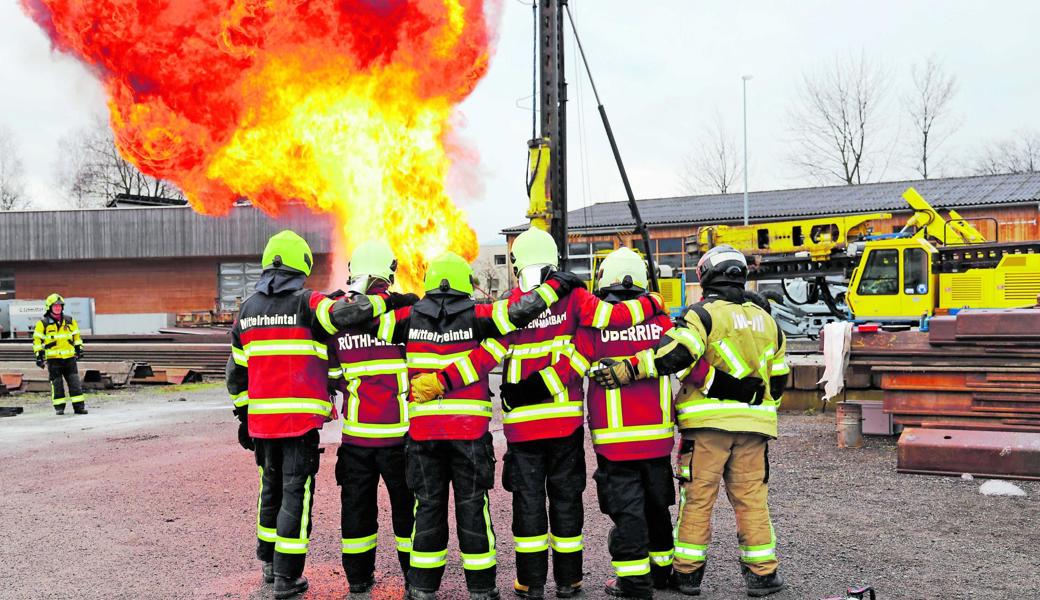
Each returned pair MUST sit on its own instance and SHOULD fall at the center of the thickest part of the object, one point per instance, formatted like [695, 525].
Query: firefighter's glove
[528, 391]
[41, 359]
[395, 300]
[243, 436]
[427, 386]
[612, 374]
[749, 390]
[564, 282]
[79, 352]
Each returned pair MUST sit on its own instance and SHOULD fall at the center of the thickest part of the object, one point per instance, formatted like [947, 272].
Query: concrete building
[492, 269]
[1003, 207]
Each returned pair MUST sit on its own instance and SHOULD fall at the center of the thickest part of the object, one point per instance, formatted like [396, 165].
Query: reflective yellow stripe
[631, 568]
[323, 312]
[537, 412]
[547, 294]
[635, 307]
[553, 381]
[639, 433]
[387, 323]
[475, 408]
[601, 318]
[613, 399]
[286, 348]
[662, 558]
[335, 373]
[690, 340]
[280, 406]
[697, 552]
[477, 562]
[579, 363]
[369, 368]
[494, 348]
[732, 406]
[427, 560]
[665, 391]
[566, 544]
[359, 545]
[780, 368]
[737, 367]
[431, 360]
[534, 543]
[239, 356]
[647, 364]
[241, 399]
[378, 305]
[500, 316]
[403, 544]
[374, 430]
[467, 370]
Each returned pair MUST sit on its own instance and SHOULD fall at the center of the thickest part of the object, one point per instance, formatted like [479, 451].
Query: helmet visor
[532, 276]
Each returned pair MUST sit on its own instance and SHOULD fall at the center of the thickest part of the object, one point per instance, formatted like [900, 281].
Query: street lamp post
[745, 78]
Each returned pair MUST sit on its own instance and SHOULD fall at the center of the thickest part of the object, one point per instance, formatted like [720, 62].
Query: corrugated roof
[953, 192]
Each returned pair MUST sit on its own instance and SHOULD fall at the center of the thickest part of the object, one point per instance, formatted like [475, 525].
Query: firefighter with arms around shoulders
[277, 376]
[57, 346]
[373, 376]
[722, 438]
[448, 440]
[545, 457]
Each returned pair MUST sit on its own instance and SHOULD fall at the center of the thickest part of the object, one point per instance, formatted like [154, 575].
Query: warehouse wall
[145, 286]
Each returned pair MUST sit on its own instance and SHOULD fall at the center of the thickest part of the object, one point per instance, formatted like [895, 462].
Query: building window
[579, 259]
[602, 247]
[6, 284]
[236, 282]
[500, 259]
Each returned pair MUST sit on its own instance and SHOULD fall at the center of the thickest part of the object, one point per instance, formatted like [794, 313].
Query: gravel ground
[149, 496]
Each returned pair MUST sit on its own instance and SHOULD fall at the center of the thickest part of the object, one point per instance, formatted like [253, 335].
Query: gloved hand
[564, 282]
[528, 391]
[41, 360]
[395, 300]
[427, 386]
[612, 374]
[243, 436]
[749, 390]
[79, 352]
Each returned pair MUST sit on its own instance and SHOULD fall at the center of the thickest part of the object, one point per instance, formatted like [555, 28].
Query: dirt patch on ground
[145, 498]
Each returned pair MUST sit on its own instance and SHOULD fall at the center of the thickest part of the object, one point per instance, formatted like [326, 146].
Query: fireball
[343, 105]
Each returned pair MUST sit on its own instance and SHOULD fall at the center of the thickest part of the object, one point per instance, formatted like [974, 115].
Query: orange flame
[344, 105]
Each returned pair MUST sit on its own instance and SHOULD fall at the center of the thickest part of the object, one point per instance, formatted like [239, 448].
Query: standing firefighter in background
[373, 376]
[723, 438]
[448, 440]
[57, 346]
[277, 376]
[545, 459]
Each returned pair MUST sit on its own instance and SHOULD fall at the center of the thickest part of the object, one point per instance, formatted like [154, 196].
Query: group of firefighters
[414, 377]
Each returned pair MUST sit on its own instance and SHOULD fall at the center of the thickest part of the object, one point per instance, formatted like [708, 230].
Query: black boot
[287, 587]
[614, 590]
[491, 594]
[568, 591]
[689, 584]
[362, 586]
[59, 409]
[761, 585]
[267, 570]
[79, 408]
[411, 593]
[528, 592]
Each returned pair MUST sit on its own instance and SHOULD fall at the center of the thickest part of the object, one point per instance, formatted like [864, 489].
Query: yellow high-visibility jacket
[56, 339]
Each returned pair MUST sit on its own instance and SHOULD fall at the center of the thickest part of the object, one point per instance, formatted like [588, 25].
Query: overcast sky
[663, 69]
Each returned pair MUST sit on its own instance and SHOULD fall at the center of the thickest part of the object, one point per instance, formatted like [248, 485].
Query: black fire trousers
[636, 494]
[533, 470]
[469, 467]
[288, 467]
[60, 371]
[358, 470]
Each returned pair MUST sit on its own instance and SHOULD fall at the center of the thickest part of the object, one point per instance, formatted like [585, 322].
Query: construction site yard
[150, 496]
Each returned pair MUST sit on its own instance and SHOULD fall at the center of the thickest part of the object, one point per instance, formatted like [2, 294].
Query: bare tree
[837, 124]
[1017, 155]
[91, 170]
[12, 173]
[933, 91]
[714, 165]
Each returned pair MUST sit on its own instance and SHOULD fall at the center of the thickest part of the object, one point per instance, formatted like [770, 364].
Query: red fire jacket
[544, 342]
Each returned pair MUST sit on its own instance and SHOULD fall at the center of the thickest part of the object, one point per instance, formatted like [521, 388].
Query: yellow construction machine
[935, 264]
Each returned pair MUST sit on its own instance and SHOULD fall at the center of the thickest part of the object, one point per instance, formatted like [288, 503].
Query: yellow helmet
[449, 271]
[52, 300]
[373, 258]
[623, 268]
[287, 249]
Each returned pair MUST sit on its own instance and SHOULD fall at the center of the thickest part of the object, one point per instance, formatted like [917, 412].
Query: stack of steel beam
[978, 371]
[208, 359]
